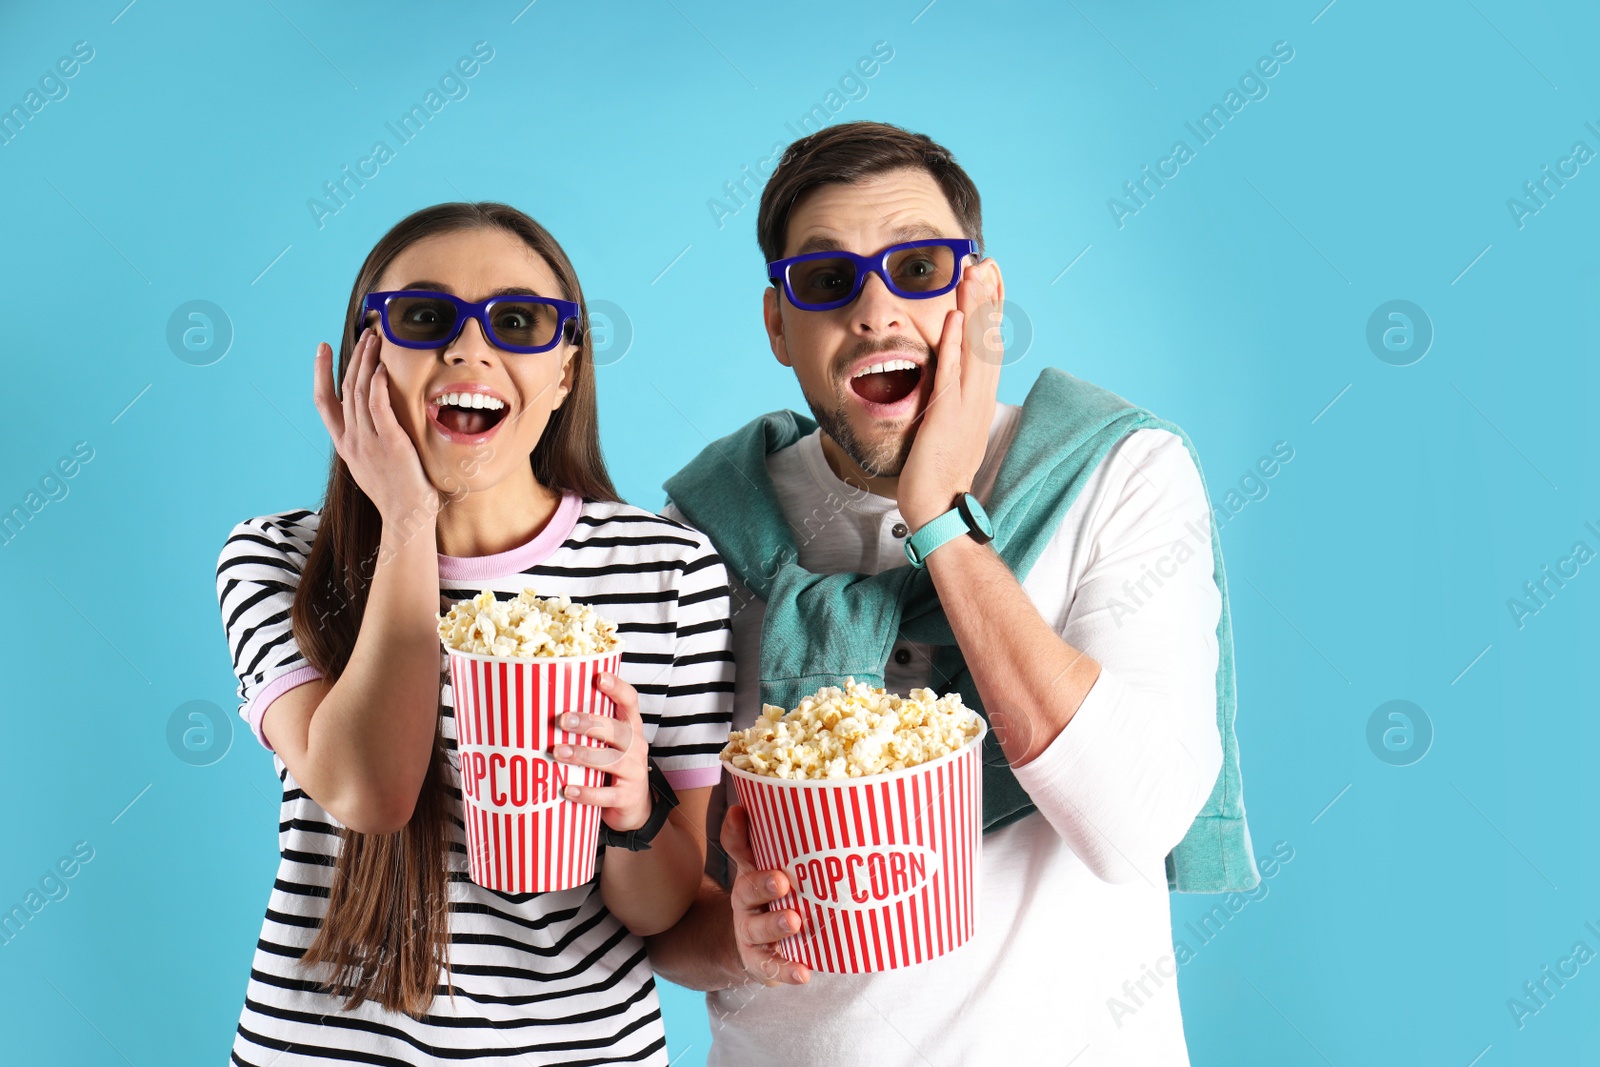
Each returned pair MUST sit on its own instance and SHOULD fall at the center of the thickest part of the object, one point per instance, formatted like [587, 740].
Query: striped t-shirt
[540, 978]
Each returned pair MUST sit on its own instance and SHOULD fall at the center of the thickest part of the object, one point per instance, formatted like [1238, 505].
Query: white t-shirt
[541, 978]
[1073, 901]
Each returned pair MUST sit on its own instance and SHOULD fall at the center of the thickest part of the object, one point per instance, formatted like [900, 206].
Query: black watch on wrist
[662, 801]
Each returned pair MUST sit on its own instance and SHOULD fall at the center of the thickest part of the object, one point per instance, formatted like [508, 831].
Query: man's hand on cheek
[954, 433]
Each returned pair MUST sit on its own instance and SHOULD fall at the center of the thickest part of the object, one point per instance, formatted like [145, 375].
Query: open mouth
[888, 382]
[469, 414]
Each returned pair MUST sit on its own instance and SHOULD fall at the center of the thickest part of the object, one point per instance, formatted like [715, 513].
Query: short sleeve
[698, 709]
[258, 572]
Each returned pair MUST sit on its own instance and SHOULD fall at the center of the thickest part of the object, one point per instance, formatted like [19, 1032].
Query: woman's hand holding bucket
[622, 753]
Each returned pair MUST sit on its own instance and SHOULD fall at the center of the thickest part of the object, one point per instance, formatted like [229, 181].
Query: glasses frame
[877, 263]
[568, 315]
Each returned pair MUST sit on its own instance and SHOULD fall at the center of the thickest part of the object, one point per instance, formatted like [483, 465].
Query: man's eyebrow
[911, 231]
[440, 287]
[819, 243]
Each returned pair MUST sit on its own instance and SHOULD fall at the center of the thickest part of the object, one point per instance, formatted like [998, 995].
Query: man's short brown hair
[851, 152]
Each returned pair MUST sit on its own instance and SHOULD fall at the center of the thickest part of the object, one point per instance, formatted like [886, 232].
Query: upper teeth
[470, 400]
[893, 364]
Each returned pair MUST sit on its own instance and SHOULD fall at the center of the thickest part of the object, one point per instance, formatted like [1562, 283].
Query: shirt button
[902, 656]
[899, 529]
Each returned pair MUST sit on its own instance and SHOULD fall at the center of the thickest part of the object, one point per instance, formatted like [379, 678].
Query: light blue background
[1377, 567]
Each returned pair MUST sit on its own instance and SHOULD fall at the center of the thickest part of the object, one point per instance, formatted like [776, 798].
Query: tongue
[467, 422]
[886, 387]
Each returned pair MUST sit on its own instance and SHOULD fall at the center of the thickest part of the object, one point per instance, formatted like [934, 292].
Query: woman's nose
[470, 345]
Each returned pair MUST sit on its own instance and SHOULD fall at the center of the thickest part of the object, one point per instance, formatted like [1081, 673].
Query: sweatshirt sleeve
[1125, 778]
[258, 572]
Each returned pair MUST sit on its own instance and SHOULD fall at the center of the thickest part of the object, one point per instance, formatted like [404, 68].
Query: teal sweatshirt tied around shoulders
[820, 629]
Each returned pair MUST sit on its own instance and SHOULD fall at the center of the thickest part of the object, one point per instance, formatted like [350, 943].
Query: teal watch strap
[946, 527]
[967, 517]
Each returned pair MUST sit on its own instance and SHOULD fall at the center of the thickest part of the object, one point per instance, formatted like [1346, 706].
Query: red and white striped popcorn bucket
[523, 834]
[883, 868]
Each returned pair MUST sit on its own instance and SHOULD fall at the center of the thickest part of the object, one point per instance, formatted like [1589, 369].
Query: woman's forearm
[650, 890]
[371, 738]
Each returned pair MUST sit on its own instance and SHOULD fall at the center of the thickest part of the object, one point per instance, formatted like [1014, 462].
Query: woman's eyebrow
[440, 287]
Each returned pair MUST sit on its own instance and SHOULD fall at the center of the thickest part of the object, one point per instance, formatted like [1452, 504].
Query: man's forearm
[1032, 682]
[699, 952]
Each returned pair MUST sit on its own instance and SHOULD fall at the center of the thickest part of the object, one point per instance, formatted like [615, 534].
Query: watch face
[977, 518]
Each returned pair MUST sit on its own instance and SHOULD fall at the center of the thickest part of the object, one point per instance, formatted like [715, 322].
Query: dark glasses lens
[821, 281]
[421, 319]
[929, 269]
[524, 323]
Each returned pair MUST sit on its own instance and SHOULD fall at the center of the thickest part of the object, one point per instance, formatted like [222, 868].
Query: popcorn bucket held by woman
[515, 667]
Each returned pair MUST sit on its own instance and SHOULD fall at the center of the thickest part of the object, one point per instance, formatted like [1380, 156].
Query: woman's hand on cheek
[624, 802]
[381, 456]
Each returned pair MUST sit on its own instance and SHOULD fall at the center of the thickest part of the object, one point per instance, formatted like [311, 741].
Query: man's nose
[876, 309]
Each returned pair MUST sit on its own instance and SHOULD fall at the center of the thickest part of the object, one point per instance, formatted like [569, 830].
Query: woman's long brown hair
[387, 932]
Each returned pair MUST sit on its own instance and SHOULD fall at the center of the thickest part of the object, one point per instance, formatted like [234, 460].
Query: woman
[467, 458]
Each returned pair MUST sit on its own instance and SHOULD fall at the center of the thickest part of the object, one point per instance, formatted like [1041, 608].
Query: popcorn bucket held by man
[872, 804]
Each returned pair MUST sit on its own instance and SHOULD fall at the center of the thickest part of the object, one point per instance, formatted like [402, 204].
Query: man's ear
[995, 280]
[772, 315]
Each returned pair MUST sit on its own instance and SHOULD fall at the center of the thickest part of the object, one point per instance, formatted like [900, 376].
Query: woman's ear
[569, 370]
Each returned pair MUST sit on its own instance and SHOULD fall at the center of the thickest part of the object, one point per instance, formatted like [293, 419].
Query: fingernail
[772, 885]
[569, 720]
[572, 792]
[563, 750]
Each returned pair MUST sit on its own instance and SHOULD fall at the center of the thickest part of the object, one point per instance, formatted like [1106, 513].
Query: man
[1104, 670]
